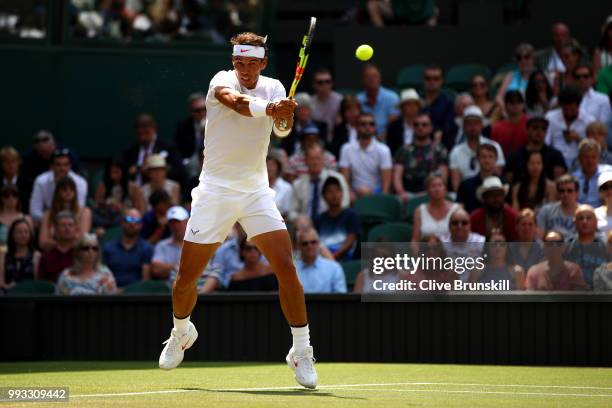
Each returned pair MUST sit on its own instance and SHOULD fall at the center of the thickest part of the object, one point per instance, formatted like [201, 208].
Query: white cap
[410, 95]
[177, 213]
[604, 178]
[472, 111]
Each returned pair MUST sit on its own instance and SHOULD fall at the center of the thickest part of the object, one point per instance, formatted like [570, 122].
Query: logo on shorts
[194, 232]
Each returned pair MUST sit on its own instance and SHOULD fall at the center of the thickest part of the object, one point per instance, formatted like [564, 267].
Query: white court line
[543, 394]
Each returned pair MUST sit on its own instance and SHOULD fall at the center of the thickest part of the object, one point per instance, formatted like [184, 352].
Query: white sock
[301, 338]
[181, 324]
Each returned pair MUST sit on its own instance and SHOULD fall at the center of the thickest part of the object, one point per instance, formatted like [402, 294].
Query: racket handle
[283, 125]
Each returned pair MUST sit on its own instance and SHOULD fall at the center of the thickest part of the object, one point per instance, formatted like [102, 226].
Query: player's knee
[185, 281]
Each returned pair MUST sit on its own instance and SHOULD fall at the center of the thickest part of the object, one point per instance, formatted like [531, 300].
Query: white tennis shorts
[214, 210]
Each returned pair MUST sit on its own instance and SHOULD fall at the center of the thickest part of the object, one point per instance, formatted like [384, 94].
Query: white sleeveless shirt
[431, 226]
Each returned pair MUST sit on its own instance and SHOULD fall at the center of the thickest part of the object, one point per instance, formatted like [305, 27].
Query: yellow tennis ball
[364, 52]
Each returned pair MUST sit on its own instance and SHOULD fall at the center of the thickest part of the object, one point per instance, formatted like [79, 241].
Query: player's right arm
[245, 104]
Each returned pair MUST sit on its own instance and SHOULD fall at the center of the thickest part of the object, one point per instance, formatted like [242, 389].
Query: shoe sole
[187, 347]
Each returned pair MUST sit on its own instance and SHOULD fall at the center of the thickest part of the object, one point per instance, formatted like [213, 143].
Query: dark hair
[60, 152]
[523, 190]
[531, 93]
[322, 70]
[486, 146]
[330, 181]
[108, 183]
[582, 66]
[513, 95]
[9, 188]
[570, 94]
[159, 196]
[57, 204]
[145, 118]
[433, 67]
[348, 101]
[242, 244]
[603, 40]
[10, 240]
[248, 38]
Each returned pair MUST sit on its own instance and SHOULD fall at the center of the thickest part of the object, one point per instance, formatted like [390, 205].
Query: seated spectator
[299, 224]
[282, 188]
[431, 246]
[377, 100]
[599, 132]
[302, 119]
[306, 197]
[20, 261]
[254, 275]
[516, 80]
[549, 59]
[64, 199]
[44, 185]
[154, 221]
[167, 253]
[495, 214]
[455, 134]
[87, 275]
[156, 171]
[594, 103]
[539, 96]
[366, 165]
[533, 189]
[415, 161]
[148, 143]
[586, 247]
[462, 162]
[11, 173]
[589, 171]
[227, 259]
[555, 272]
[401, 131]
[602, 56]
[297, 161]
[38, 159]
[486, 155]
[567, 125]
[437, 104]
[188, 134]
[129, 256]
[460, 240]
[317, 274]
[432, 218]
[10, 210]
[604, 213]
[61, 256]
[528, 250]
[602, 277]
[559, 215]
[346, 130]
[536, 133]
[399, 12]
[571, 55]
[338, 227]
[499, 265]
[511, 133]
[479, 90]
[325, 101]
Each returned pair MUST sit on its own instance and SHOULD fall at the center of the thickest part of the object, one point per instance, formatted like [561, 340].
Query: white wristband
[258, 107]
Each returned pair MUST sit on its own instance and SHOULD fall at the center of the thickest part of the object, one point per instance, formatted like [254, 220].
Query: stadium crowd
[527, 170]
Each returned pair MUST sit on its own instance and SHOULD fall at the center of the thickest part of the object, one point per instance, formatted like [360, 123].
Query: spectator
[589, 171]
[533, 189]
[437, 104]
[303, 119]
[378, 100]
[602, 56]
[463, 163]
[87, 276]
[479, 90]
[10, 210]
[567, 124]
[539, 96]
[129, 256]
[586, 247]
[44, 185]
[346, 130]
[604, 212]
[536, 133]
[156, 171]
[297, 162]
[415, 161]
[11, 174]
[555, 272]
[455, 134]
[528, 250]
[54, 261]
[549, 59]
[154, 221]
[432, 218]
[399, 12]
[325, 101]
[593, 102]
[602, 277]
[338, 227]
[64, 199]
[254, 275]
[39, 158]
[20, 261]
[460, 240]
[559, 216]
[148, 143]
[571, 54]
[486, 155]
[511, 133]
[495, 214]
[366, 165]
[599, 132]
[516, 80]
[282, 188]
[167, 253]
[401, 131]
[317, 274]
[499, 264]
[188, 136]
[366, 278]
[306, 198]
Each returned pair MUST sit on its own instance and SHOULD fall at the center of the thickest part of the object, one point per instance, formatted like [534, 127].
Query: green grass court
[225, 385]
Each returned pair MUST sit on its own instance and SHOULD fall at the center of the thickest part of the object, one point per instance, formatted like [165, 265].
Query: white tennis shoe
[172, 355]
[302, 365]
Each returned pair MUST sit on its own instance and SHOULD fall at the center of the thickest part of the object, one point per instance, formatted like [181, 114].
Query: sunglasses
[89, 248]
[132, 220]
[565, 190]
[521, 57]
[323, 81]
[367, 124]
[479, 84]
[538, 127]
[307, 243]
[585, 76]
[433, 78]
[605, 187]
[462, 223]
[43, 139]
[421, 124]
[61, 152]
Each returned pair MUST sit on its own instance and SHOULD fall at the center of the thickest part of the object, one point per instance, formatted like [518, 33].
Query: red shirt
[53, 262]
[510, 136]
[478, 220]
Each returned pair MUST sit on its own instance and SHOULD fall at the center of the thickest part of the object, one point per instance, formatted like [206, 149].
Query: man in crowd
[511, 133]
[559, 215]
[454, 134]
[378, 100]
[588, 171]
[168, 251]
[495, 214]
[38, 159]
[12, 174]
[549, 59]
[594, 103]
[303, 119]
[154, 221]
[598, 131]
[188, 135]
[325, 101]
[61, 256]
[317, 274]
[297, 162]
[437, 104]
[486, 155]
[461, 241]
[401, 131]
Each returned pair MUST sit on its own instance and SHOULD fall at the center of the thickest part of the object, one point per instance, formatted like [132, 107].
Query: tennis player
[243, 107]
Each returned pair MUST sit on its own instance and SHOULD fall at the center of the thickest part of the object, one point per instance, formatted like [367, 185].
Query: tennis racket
[301, 65]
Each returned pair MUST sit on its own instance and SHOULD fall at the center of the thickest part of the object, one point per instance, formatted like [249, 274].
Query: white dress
[432, 226]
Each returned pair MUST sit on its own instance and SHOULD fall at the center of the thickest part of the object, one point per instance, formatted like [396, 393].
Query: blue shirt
[227, 261]
[442, 113]
[588, 189]
[385, 106]
[322, 276]
[126, 264]
[333, 230]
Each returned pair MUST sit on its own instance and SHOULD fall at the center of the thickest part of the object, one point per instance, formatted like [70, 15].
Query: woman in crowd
[571, 54]
[64, 198]
[157, 172]
[534, 189]
[254, 275]
[602, 276]
[539, 96]
[604, 213]
[432, 218]
[10, 210]
[114, 193]
[517, 79]
[87, 276]
[20, 261]
[499, 264]
[528, 250]
[602, 56]
[479, 89]
[346, 130]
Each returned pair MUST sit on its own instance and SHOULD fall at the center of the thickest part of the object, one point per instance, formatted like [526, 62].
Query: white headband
[249, 51]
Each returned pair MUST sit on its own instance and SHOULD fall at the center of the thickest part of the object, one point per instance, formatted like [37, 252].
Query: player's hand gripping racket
[299, 69]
